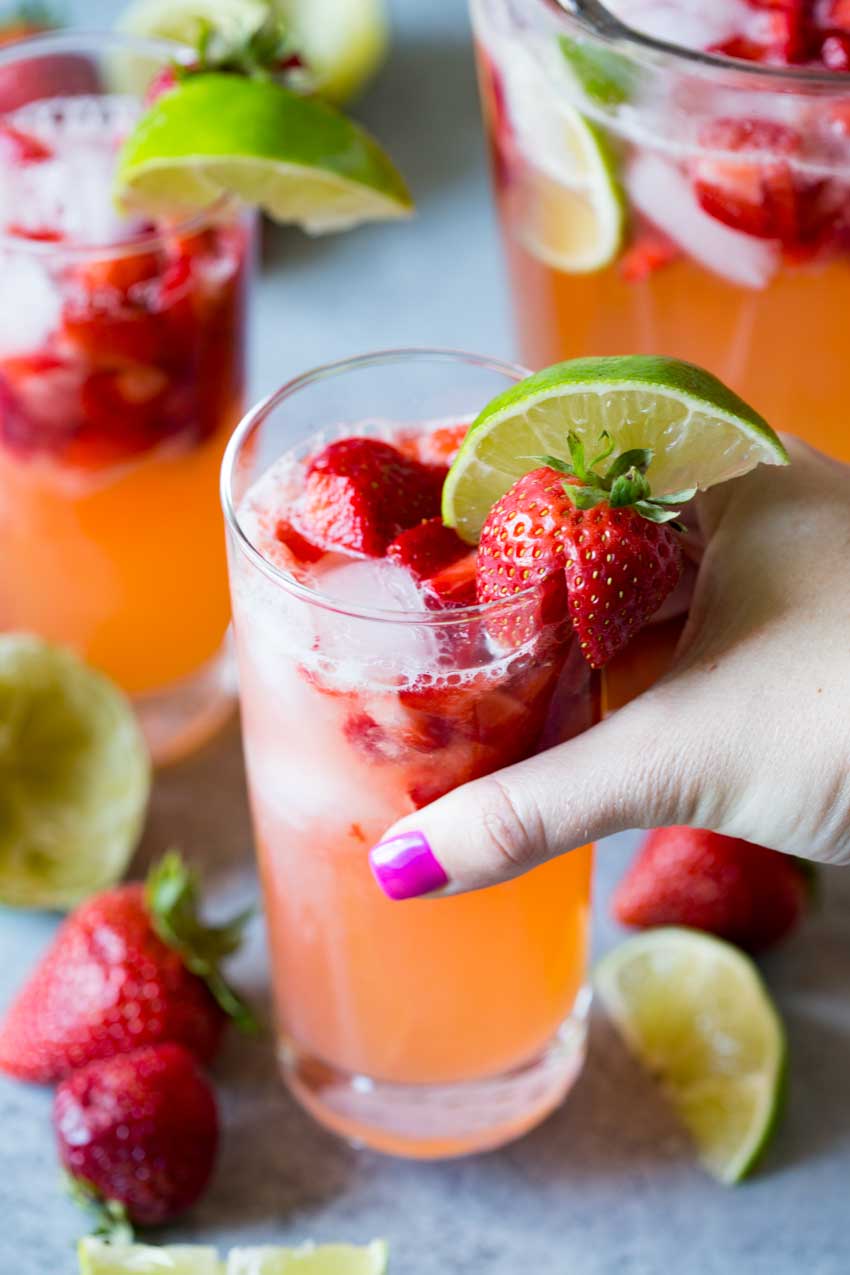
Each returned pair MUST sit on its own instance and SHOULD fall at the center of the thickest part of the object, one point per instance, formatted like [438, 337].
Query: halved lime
[74, 777]
[318, 1259]
[696, 1013]
[184, 20]
[295, 157]
[97, 1257]
[700, 432]
[566, 202]
[343, 41]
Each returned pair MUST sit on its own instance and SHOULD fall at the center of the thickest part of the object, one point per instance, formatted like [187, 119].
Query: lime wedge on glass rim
[696, 1013]
[699, 431]
[74, 777]
[97, 1257]
[295, 157]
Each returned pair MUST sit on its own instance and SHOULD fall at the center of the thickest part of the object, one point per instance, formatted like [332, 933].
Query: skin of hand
[749, 732]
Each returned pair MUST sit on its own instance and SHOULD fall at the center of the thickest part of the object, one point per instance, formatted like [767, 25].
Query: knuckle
[513, 828]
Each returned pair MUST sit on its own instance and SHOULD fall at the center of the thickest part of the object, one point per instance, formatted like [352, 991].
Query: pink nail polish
[405, 867]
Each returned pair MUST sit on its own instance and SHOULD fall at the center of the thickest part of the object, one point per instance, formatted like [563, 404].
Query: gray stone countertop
[607, 1186]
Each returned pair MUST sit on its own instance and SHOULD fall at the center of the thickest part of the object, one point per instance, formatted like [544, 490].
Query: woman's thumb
[633, 770]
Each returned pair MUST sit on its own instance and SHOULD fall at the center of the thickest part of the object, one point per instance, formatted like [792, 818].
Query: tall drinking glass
[674, 203]
[121, 379]
[428, 1028]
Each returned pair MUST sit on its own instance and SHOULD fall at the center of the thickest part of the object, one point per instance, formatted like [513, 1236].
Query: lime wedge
[74, 777]
[700, 432]
[343, 41]
[604, 76]
[321, 1259]
[295, 157]
[97, 1257]
[566, 202]
[695, 1012]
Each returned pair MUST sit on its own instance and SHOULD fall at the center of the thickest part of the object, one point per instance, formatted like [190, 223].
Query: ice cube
[379, 648]
[692, 24]
[664, 194]
[34, 308]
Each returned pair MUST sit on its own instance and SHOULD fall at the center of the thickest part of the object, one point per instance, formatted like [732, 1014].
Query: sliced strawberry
[18, 147]
[757, 196]
[741, 47]
[427, 548]
[359, 493]
[454, 586]
[649, 251]
[39, 234]
[835, 51]
[118, 273]
[298, 545]
[435, 447]
[108, 332]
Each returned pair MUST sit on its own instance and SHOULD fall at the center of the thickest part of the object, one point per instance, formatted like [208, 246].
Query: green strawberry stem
[262, 55]
[623, 484]
[113, 1224]
[171, 895]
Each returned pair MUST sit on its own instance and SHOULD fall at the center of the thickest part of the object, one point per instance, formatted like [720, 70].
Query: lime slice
[695, 1012]
[97, 1257]
[343, 41]
[566, 202]
[700, 432]
[74, 777]
[295, 157]
[321, 1259]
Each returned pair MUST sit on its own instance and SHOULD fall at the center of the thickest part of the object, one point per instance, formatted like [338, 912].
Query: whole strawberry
[132, 966]
[138, 1133]
[739, 891]
[603, 533]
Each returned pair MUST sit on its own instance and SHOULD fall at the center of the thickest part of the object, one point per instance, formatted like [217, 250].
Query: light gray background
[607, 1186]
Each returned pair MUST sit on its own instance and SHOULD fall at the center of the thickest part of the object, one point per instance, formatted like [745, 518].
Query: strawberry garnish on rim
[615, 544]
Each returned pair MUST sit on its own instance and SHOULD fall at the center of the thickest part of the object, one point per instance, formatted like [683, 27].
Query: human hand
[748, 734]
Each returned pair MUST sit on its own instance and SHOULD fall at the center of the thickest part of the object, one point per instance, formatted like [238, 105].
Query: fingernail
[405, 867]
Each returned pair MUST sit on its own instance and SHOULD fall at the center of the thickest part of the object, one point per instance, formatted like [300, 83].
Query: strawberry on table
[132, 966]
[359, 493]
[741, 892]
[138, 1133]
[602, 532]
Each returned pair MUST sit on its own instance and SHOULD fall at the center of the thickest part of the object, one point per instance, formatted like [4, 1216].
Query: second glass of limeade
[121, 379]
[695, 202]
[442, 1026]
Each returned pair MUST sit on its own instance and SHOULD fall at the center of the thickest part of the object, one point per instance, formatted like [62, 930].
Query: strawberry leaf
[113, 1223]
[630, 488]
[171, 895]
[676, 497]
[607, 443]
[639, 458]
[577, 455]
[585, 497]
[553, 462]
[653, 513]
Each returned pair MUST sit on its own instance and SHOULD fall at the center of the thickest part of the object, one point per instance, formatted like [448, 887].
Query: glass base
[179, 719]
[431, 1122]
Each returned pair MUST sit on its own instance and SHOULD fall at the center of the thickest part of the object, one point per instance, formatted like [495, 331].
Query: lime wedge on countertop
[295, 157]
[696, 1013]
[700, 432]
[97, 1257]
[343, 42]
[74, 777]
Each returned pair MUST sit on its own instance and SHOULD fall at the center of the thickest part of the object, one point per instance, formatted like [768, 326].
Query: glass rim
[79, 41]
[263, 410]
[660, 51]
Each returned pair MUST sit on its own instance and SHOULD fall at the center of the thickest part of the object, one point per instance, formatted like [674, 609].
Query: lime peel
[694, 1010]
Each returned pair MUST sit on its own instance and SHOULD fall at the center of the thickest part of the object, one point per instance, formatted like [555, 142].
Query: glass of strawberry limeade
[121, 378]
[694, 200]
[371, 684]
